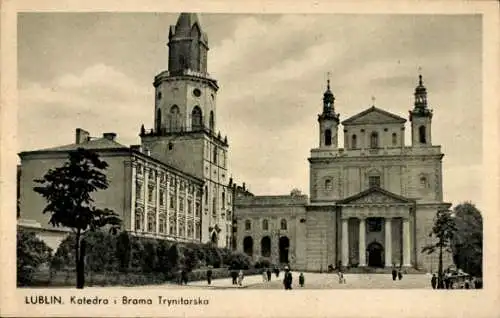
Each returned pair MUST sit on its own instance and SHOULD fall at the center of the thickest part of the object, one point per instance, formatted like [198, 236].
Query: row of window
[183, 185]
[193, 229]
[374, 138]
[216, 156]
[172, 201]
[175, 119]
[265, 225]
[374, 181]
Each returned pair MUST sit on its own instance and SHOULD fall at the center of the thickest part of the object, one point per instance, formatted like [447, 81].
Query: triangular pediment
[374, 115]
[375, 195]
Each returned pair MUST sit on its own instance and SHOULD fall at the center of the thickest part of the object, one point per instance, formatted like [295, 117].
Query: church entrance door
[375, 255]
[284, 245]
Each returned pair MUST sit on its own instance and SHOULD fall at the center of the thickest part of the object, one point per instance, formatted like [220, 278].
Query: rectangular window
[181, 204]
[190, 207]
[374, 224]
[374, 181]
[223, 200]
[151, 194]
[162, 201]
[198, 209]
[172, 202]
[138, 191]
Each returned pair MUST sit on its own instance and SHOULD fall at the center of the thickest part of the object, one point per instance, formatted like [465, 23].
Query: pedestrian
[287, 280]
[234, 275]
[301, 280]
[277, 272]
[394, 272]
[400, 274]
[269, 274]
[341, 277]
[240, 278]
[184, 277]
[434, 281]
[209, 276]
[264, 276]
[467, 283]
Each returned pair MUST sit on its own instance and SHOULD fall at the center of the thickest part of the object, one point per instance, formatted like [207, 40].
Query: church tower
[421, 118]
[328, 121]
[184, 133]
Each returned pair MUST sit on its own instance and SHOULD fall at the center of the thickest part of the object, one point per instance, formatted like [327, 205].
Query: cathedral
[372, 203]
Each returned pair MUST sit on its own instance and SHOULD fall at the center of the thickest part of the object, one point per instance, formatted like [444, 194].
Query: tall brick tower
[184, 134]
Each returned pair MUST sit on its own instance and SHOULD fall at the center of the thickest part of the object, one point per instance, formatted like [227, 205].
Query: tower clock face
[196, 92]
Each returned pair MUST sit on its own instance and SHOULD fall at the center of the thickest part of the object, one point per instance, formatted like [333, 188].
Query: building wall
[321, 239]
[36, 166]
[274, 210]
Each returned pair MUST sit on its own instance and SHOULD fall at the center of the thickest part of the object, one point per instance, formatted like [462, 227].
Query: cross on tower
[328, 74]
[373, 100]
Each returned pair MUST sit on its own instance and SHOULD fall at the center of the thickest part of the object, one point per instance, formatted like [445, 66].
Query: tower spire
[420, 93]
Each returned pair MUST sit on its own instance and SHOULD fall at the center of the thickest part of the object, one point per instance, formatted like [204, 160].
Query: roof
[100, 143]
[374, 115]
[375, 195]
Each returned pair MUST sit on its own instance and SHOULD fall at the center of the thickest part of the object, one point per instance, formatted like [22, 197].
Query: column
[362, 242]
[157, 197]
[388, 242]
[345, 242]
[176, 206]
[406, 242]
[186, 193]
[132, 204]
[167, 202]
[145, 200]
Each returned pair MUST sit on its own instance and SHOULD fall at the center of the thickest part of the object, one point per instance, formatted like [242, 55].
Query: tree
[31, 253]
[444, 229]
[68, 190]
[467, 244]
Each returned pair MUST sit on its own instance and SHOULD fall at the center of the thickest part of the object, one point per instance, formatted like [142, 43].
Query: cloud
[99, 99]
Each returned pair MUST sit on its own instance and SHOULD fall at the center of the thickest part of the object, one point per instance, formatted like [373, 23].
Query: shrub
[31, 253]
[238, 260]
[123, 251]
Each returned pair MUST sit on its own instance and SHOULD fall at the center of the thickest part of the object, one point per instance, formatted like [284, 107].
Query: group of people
[396, 273]
[237, 277]
[287, 279]
[449, 282]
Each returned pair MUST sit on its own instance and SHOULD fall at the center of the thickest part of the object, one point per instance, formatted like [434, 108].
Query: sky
[95, 71]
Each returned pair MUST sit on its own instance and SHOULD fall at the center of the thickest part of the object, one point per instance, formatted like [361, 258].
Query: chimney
[109, 136]
[81, 136]
[244, 186]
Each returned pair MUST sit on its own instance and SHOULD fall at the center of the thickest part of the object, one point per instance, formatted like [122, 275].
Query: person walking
[434, 281]
[400, 274]
[287, 280]
[264, 276]
[184, 277]
[209, 276]
[240, 278]
[394, 272]
[268, 274]
[234, 276]
[302, 280]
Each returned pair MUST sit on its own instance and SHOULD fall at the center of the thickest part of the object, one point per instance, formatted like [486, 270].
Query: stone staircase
[381, 270]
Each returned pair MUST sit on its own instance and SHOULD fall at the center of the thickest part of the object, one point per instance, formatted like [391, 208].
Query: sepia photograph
[194, 151]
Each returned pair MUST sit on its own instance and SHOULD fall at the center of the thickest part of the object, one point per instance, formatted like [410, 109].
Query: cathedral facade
[372, 203]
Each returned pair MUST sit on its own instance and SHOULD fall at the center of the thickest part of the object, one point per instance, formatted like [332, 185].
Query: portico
[375, 229]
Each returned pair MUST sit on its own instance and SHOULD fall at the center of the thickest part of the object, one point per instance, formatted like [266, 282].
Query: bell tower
[328, 121]
[184, 134]
[421, 117]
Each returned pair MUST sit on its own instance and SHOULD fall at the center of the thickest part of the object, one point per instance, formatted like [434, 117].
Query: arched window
[265, 246]
[328, 185]
[394, 139]
[248, 245]
[174, 118]
[328, 137]
[421, 134]
[374, 140]
[158, 120]
[354, 142]
[182, 62]
[248, 225]
[212, 120]
[283, 224]
[206, 194]
[265, 225]
[196, 122]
